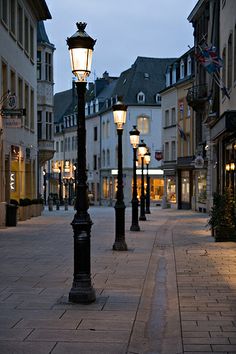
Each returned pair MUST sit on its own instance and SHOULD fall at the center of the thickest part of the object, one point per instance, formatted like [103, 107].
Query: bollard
[57, 204]
[50, 203]
[66, 203]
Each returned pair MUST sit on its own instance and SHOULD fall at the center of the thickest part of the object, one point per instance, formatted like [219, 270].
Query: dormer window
[107, 103]
[174, 74]
[141, 97]
[158, 98]
[146, 75]
[189, 66]
[168, 77]
[182, 73]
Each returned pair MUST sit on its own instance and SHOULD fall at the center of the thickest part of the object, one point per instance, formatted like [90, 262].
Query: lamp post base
[134, 227]
[147, 211]
[81, 295]
[120, 246]
[142, 218]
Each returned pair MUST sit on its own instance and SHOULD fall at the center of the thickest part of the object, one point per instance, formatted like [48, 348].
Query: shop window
[105, 187]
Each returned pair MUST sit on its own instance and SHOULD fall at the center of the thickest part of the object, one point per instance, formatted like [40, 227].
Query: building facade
[18, 91]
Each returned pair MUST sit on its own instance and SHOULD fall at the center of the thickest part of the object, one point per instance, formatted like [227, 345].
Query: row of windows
[14, 18]
[229, 58]
[25, 96]
[69, 144]
[141, 98]
[179, 71]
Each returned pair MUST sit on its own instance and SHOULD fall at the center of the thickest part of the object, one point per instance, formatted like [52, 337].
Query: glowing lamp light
[134, 137]
[81, 46]
[119, 114]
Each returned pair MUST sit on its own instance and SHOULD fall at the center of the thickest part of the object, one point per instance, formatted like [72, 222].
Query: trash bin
[11, 215]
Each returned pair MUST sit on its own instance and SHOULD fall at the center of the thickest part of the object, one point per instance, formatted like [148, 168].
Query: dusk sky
[124, 30]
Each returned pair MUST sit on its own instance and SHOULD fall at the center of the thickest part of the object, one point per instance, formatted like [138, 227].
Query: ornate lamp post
[119, 113]
[142, 150]
[134, 141]
[60, 186]
[81, 46]
[45, 186]
[147, 159]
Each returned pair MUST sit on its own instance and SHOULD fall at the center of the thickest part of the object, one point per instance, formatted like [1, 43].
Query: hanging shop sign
[199, 162]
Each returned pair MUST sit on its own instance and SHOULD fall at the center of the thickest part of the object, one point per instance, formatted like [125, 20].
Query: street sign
[12, 122]
[14, 112]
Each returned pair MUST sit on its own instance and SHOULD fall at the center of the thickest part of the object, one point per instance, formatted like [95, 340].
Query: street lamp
[134, 141]
[60, 185]
[81, 46]
[142, 151]
[45, 186]
[119, 113]
[147, 159]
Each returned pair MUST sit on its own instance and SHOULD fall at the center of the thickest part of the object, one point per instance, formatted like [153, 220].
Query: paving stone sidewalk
[172, 292]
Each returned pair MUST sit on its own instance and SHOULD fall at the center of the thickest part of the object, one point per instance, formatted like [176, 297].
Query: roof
[40, 9]
[146, 75]
[63, 102]
[42, 36]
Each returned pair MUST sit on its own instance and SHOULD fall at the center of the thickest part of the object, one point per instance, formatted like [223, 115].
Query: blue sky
[123, 29]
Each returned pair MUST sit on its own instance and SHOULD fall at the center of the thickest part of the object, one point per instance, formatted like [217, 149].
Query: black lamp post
[142, 150]
[119, 113]
[45, 186]
[60, 185]
[134, 141]
[147, 159]
[81, 48]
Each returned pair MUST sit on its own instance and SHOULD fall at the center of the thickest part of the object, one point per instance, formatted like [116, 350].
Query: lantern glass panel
[81, 61]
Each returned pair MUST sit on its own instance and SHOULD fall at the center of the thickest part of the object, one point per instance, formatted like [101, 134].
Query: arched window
[143, 124]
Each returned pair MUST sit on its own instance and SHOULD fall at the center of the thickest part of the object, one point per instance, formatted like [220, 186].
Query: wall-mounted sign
[12, 123]
[158, 155]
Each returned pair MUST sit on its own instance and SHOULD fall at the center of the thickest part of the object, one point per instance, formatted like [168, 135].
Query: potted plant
[222, 217]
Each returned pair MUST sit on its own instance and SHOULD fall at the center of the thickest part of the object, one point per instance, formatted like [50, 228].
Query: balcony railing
[197, 97]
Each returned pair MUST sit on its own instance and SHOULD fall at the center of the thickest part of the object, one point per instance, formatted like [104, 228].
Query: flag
[209, 58]
[181, 132]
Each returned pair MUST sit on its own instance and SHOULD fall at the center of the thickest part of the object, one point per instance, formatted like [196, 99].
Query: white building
[18, 68]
